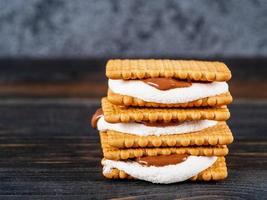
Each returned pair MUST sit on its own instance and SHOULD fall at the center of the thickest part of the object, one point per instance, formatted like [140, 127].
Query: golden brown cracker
[116, 114]
[218, 171]
[123, 154]
[219, 134]
[180, 69]
[124, 100]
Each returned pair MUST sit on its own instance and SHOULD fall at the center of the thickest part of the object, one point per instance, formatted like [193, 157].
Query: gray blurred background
[63, 41]
[133, 28]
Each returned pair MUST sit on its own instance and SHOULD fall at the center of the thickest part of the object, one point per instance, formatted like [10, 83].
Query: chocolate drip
[162, 160]
[166, 83]
[161, 124]
[96, 116]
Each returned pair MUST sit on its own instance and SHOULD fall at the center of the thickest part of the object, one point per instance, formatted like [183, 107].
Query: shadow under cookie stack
[164, 121]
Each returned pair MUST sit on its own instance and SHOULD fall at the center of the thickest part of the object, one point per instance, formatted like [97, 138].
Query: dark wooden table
[49, 151]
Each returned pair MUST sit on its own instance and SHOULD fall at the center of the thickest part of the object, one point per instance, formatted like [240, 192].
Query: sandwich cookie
[168, 83]
[192, 168]
[164, 165]
[143, 134]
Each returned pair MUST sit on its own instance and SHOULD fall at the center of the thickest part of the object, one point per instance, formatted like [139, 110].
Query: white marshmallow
[141, 90]
[143, 130]
[166, 174]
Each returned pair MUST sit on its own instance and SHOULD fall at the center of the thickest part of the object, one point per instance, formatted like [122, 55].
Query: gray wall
[133, 28]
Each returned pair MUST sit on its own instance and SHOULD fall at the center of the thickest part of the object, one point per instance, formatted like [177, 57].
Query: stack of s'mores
[163, 121]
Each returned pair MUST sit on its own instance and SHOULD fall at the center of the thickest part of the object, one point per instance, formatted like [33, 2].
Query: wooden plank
[69, 70]
[85, 78]
[98, 88]
[76, 89]
[48, 150]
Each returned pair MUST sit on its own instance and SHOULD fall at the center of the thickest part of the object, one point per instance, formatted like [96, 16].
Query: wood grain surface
[49, 151]
[85, 78]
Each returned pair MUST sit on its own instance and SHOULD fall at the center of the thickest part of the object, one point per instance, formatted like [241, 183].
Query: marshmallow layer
[143, 130]
[164, 175]
[141, 90]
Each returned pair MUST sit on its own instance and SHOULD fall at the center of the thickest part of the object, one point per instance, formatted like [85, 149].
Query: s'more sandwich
[168, 83]
[163, 121]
